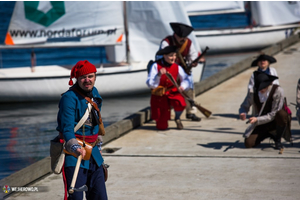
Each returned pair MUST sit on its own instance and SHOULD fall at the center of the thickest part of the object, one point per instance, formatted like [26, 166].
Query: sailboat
[130, 32]
[265, 23]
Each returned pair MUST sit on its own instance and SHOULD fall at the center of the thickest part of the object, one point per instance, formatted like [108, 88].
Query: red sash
[89, 139]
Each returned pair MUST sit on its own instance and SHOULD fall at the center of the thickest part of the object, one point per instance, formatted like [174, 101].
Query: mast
[248, 11]
[126, 33]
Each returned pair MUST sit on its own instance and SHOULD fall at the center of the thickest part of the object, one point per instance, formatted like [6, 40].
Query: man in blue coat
[72, 107]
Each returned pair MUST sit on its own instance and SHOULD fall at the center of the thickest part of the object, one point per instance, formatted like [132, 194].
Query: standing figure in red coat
[164, 94]
[188, 53]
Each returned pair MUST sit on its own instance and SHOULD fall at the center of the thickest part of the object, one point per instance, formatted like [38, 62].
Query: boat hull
[47, 83]
[242, 39]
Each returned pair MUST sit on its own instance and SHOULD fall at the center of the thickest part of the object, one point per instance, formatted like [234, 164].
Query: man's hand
[162, 71]
[181, 88]
[194, 64]
[243, 116]
[202, 59]
[253, 120]
[81, 151]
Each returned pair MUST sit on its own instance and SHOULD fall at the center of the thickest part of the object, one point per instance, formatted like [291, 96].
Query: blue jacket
[72, 107]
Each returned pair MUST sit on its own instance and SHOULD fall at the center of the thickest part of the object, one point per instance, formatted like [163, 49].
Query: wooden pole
[71, 189]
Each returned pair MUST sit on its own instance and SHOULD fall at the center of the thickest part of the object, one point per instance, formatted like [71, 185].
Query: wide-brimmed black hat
[167, 50]
[271, 59]
[263, 80]
[182, 30]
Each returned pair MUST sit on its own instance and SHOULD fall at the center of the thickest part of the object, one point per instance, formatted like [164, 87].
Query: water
[26, 129]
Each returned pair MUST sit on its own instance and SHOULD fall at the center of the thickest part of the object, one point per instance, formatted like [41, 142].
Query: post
[33, 60]
[1, 66]
[126, 33]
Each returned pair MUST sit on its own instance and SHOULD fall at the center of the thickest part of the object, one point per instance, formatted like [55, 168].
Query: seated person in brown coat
[271, 120]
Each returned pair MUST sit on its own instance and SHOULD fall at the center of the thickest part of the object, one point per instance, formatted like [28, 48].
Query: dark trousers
[264, 131]
[93, 178]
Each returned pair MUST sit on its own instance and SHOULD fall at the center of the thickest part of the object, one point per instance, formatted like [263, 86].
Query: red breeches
[161, 109]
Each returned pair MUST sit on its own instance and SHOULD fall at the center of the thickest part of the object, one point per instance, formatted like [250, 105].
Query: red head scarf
[82, 68]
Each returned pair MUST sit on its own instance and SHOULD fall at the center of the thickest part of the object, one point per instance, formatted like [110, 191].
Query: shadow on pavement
[218, 130]
[295, 132]
[220, 145]
[232, 145]
[240, 144]
[229, 115]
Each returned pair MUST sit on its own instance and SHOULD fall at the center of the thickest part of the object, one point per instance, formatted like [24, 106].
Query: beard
[181, 42]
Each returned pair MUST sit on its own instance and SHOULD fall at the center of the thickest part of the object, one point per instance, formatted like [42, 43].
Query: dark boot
[277, 138]
[193, 117]
[179, 124]
[278, 145]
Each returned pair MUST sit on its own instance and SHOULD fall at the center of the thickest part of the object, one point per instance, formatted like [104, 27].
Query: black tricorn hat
[167, 50]
[182, 30]
[263, 80]
[271, 59]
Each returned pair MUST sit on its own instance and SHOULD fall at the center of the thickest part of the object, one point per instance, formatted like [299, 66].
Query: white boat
[119, 26]
[271, 22]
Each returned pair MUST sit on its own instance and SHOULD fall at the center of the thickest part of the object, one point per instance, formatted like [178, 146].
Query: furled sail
[65, 22]
[213, 7]
[270, 13]
[148, 24]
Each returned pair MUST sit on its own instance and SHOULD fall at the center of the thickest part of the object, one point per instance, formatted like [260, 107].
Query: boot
[179, 124]
[278, 145]
[193, 117]
[277, 139]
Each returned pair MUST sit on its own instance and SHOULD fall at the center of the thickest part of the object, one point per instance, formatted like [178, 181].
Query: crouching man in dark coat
[271, 120]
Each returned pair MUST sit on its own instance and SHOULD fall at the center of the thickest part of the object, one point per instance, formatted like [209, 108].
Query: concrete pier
[205, 160]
